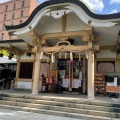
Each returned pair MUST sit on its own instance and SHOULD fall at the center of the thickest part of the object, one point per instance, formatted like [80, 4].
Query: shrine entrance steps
[62, 105]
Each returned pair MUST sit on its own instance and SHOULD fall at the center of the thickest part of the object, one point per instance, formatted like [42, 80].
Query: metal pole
[3, 85]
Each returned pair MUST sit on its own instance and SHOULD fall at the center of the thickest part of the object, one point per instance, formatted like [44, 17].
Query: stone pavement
[19, 115]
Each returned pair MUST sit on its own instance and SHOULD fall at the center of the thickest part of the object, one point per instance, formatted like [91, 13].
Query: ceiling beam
[90, 30]
[108, 47]
[12, 44]
[34, 34]
[57, 48]
[86, 39]
[64, 34]
[68, 48]
[63, 38]
[35, 42]
[13, 49]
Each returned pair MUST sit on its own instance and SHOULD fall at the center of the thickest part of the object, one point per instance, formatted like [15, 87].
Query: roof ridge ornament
[58, 11]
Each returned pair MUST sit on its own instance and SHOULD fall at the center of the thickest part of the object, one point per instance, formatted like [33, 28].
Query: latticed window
[10, 37]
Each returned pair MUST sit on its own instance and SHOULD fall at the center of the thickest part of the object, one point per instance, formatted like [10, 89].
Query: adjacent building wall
[7, 9]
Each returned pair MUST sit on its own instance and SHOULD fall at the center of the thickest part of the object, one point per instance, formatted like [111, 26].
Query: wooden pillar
[118, 63]
[84, 76]
[35, 88]
[17, 72]
[90, 92]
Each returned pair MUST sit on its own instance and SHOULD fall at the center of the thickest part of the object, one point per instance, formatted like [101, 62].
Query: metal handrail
[2, 80]
[6, 84]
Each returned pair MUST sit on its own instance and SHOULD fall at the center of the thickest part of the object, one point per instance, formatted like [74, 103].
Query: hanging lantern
[41, 54]
[71, 56]
[79, 56]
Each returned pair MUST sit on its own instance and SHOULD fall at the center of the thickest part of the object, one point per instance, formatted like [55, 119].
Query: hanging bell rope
[79, 56]
[65, 55]
[60, 54]
[71, 56]
[52, 58]
[48, 59]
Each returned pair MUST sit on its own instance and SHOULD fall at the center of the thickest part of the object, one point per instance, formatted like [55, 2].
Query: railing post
[3, 85]
[12, 83]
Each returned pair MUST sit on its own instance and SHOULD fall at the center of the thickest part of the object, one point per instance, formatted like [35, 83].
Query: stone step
[57, 113]
[64, 104]
[62, 109]
[81, 106]
[65, 100]
[18, 99]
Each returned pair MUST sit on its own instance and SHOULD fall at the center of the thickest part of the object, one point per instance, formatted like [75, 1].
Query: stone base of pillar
[34, 93]
[90, 98]
[70, 89]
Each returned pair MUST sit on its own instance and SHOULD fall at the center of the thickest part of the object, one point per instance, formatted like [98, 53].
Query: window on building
[3, 26]
[6, 8]
[21, 13]
[20, 21]
[2, 36]
[5, 17]
[13, 15]
[23, 3]
[11, 23]
[10, 37]
[26, 70]
[14, 7]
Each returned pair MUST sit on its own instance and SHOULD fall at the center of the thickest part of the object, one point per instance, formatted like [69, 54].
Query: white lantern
[41, 54]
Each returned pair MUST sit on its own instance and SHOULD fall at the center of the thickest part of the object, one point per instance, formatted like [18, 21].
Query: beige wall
[29, 6]
[106, 54]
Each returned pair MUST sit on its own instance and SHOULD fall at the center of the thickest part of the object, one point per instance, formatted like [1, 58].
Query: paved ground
[18, 115]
